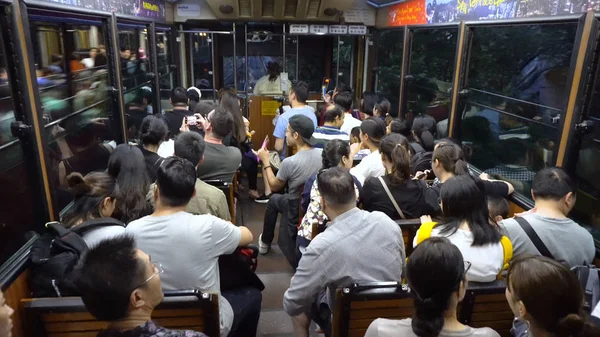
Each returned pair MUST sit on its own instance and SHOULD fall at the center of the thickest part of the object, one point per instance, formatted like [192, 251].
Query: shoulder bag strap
[387, 190]
[535, 239]
[425, 231]
[508, 253]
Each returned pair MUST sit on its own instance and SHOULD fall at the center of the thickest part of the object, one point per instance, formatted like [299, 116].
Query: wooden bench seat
[485, 305]
[68, 317]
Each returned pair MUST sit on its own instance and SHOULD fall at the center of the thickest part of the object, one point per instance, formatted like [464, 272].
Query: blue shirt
[323, 134]
[284, 120]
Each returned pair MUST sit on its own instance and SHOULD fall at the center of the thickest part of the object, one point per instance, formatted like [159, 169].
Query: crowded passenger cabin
[269, 168]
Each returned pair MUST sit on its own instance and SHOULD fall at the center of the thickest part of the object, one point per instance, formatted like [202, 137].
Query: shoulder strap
[159, 161]
[535, 239]
[424, 232]
[387, 190]
[94, 223]
[508, 251]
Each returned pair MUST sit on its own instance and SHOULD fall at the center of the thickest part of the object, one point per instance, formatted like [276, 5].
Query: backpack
[420, 162]
[589, 278]
[55, 254]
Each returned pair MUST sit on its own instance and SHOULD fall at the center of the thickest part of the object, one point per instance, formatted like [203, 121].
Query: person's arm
[279, 133]
[367, 195]
[498, 188]
[306, 194]
[274, 182]
[279, 144]
[246, 238]
[227, 237]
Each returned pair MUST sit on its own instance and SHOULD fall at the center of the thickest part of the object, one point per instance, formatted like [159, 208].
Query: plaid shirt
[519, 173]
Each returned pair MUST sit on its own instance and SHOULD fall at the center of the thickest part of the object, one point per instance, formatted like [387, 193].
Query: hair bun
[571, 325]
[77, 184]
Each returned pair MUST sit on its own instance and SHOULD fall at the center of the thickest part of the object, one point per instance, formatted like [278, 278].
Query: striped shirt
[323, 134]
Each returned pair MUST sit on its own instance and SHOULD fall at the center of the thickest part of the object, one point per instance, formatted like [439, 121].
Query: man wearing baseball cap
[294, 172]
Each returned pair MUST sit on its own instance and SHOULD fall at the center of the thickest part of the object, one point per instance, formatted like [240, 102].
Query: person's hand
[263, 155]
[55, 130]
[184, 126]
[252, 133]
[484, 176]
[425, 218]
[421, 175]
[531, 211]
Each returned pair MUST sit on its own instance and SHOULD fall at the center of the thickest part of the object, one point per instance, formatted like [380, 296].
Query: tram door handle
[20, 130]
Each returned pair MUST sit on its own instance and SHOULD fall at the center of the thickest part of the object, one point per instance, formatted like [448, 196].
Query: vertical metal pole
[337, 72]
[183, 69]
[297, 59]
[193, 76]
[114, 72]
[284, 42]
[212, 53]
[234, 60]
[151, 47]
[246, 58]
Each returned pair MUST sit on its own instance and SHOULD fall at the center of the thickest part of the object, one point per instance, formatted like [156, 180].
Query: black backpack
[420, 162]
[55, 254]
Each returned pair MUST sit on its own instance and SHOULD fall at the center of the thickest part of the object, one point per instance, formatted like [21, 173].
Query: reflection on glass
[430, 75]
[76, 104]
[525, 62]
[263, 48]
[311, 57]
[345, 46]
[291, 44]
[389, 66]
[202, 63]
[165, 70]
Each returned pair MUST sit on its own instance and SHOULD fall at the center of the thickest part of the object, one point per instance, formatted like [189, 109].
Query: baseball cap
[305, 128]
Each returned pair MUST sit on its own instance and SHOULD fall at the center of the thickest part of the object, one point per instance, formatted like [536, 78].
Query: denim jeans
[246, 303]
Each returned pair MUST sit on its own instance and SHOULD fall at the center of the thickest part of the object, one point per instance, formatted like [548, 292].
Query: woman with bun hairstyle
[153, 132]
[95, 197]
[409, 194]
[436, 274]
[127, 166]
[448, 160]
[548, 298]
[335, 153]
[372, 131]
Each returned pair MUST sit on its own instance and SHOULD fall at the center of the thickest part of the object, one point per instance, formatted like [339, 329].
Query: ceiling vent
[245, 8]
[290, 8]
[268, 8]
[312, 11]
[226, 9]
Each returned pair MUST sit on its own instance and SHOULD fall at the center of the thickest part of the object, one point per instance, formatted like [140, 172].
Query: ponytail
[428, 318]
[452, 158]
[573, 325]
[461, 167]
[395, 148]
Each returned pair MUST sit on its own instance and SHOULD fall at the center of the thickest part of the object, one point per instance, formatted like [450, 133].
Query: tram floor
[273, 269]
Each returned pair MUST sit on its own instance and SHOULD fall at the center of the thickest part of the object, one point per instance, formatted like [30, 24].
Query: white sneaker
[263, 248]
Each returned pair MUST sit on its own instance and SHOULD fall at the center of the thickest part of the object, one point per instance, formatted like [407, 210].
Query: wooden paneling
[13, 295]
[262, 125]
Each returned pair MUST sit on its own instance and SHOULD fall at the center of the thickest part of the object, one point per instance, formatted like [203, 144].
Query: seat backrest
[409, 229]
[68, 317]
[229, 191]
[485, 305]
[356, 307]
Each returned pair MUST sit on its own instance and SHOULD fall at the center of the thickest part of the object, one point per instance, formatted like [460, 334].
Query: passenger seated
[400, 126]
[382, 109]
[371, 132]
[207, 199]
[180, 102]
[466, 224]
[554, 193]
[367, 104]
[355, 139]
[515, 167]
[95, 197]
[408, 194]
[189, 245]
[335, 154]
[547, 299]
[153, 132]
[121, 284]
[334, 118]
[294, 172]
[126, 164]
[357, 247]
[6, 312]
[221, 162]
[498, 208]
[344, 99]
[435, 298]
[448, 161]
[138, 109]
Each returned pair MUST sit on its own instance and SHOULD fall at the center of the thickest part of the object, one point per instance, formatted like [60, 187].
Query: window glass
[291, 53]
[432, 59]
[263, 47]
[311, 59]
[166, 70]
[517, 89]
[17, 211]
[389, 66]
[77, 108]
[202, 64]
[342, 45]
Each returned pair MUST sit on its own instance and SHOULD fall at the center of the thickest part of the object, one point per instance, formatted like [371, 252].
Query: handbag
[387, 190]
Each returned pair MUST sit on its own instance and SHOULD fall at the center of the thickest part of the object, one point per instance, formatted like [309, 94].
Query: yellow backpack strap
[508, 251]
[424, 232]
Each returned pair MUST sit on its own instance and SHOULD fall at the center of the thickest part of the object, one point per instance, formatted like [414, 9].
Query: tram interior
[519, 96]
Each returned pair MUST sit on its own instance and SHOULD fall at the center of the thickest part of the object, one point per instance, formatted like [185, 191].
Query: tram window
[291, 45]
[432, 58]
[311, 56]
[389, 64]
[17, 211]
[76, 106]
[345, 46]
[164, 60]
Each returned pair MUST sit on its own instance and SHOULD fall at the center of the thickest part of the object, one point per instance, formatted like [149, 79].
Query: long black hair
[464, 199]
[434, 272]
[395, 148]
[127, 165]
[89, 192]
[333, 152]
[451, 157]
[230, 102]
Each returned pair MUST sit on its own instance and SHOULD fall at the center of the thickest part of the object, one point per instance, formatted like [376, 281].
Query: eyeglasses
[159, 270]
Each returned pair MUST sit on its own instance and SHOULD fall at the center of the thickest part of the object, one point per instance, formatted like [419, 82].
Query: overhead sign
[319, 29]
[154, 9]
[189, 10]
[407, 13]
[298, 29]
[338, 29]
[357, 30]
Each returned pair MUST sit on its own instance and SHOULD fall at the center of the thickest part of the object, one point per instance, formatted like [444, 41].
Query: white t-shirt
[486, 261]
[166, 148]
[265, 87]
[349, 123]
[96, 235]
[369, 166]
[403, 328]
[188, 247]
[88, 62]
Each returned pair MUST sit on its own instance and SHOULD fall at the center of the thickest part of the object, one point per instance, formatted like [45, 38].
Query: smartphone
[191, 120]
[265, 142]
[423, 174]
